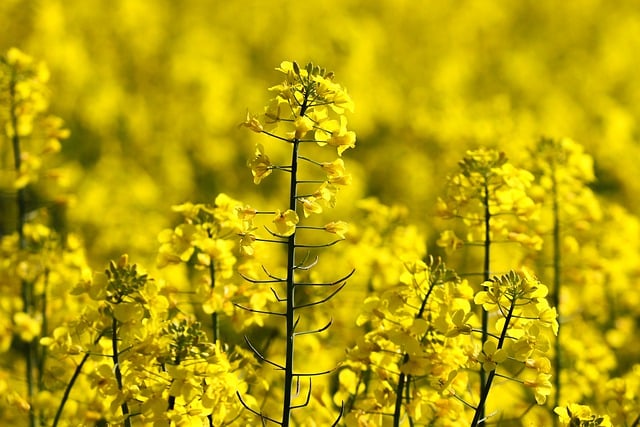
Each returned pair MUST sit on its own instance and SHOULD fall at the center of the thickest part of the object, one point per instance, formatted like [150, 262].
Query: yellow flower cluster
[489, 191]
[23, 81]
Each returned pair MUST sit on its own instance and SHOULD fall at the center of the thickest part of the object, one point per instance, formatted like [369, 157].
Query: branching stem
[479, 417]
[116, 368]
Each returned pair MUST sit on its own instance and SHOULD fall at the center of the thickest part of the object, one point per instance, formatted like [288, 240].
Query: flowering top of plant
[308, 107]
[487, 187]
[308, 101]
[24, 81]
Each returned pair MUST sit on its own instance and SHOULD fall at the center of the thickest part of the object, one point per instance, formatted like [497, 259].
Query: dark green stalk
[171, 401]
[478, 418]
[484, 384]
[116, 366]
[45, 327]
[404, 380]
[27, 288]
[290, 317]
[41, 355]
[72, 381]
[215, 328]
[399, 393]
[555, 295]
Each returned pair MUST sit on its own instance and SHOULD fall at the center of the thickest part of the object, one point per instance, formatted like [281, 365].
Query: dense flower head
[23, 82]
[489, 190]
[308, 106]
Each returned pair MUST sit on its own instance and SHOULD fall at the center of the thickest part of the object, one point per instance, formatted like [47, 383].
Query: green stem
[26, 287]
[486, 276]
[45, 327]
[399, 391]
[72, 381]
[118, 372]
[478, 419]
[290, 312]
[556, 287]
[404, 380]
[215, 328]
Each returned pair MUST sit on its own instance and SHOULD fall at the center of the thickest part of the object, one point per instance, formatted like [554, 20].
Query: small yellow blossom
[246, 213]
[260, 165]
[326, 192]
[449, 241]
[491, 356]
[339, 228]
[286, 222]
[542, 387]
[335, 133]
[460, 321]
[246, 243]
[541, 364]
[310, 205]
[335, 168]
[26, 326]
[580, 415]
[302, 126]
[252, 123]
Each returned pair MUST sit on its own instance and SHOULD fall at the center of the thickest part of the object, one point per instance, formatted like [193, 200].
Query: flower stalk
[299, 114]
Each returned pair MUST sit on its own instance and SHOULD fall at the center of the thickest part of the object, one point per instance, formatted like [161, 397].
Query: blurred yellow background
[153, 90]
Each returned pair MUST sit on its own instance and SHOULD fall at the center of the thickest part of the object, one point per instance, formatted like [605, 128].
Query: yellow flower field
[352, 213]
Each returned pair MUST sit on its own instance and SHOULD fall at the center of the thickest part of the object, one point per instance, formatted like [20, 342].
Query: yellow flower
[310, 205]
[302, 126]
[288, 67]
[341, 179]
[541, 364]
[246, 243]
[460, 321]
[26, 326]
[449, 241]
[342, 138]
[335, 168]
[18, 58]
[339, 228]
[336, 134]
[336, 172]
[326, 192]
[541, 385]
[246, 213]
[286, 222]
[252, 123]
[260, 165]
[491, 356]
[574, 415]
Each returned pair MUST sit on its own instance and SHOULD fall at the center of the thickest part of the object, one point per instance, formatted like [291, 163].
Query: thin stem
[479, 417]
[116, 367]
[290, 311]
[72, 381]
[485, 314]
[42, 350]
[215, 328]
[555, 295]
[171, 401]
[403, 380]
[26, 287]
[399, 391]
